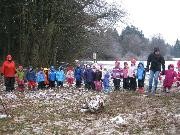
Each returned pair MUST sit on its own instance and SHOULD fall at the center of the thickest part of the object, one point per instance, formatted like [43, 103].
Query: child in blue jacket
[106, 80]
[78, 74]
[89, 76]
[31, 78]
[60, 77]
[141, 77]
[52, 77]
[40, 79]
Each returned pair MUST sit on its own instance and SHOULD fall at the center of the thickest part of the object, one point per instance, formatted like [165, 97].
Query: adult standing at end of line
[156, 60]
[9, 71]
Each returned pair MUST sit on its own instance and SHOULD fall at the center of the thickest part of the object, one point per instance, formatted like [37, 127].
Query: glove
[163, 72]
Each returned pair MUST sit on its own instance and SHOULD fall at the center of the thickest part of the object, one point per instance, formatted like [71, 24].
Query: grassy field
[57, 112]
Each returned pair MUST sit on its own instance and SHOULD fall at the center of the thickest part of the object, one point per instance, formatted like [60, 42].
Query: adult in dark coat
[155, 61]
[9, 71]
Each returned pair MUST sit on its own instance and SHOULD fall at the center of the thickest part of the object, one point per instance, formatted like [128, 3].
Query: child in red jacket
[70, 76]
[170, 74]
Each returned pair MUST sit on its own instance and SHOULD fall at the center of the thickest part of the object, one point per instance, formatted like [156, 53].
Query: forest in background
[45, 32]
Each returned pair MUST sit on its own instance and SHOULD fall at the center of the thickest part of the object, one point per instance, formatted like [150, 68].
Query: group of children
[94, 77]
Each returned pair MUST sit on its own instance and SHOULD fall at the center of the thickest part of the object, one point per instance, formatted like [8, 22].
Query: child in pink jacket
[125, 76]
[170, 74]
[70, 76]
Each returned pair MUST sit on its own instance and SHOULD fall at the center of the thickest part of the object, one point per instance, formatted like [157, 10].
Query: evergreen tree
[177, 49]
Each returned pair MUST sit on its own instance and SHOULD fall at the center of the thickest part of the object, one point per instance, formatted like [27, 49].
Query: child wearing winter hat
[70, 75]
[20, 76]
[106, 80]
[78, 74]
[89, 76]
[60, 77]
[46, 73]
[98, 76]
[31, 78]
[117, 74]
[141, 77]
[125, 76]
[170, 74]
[132, 75]
[41, 79]
[52, 77]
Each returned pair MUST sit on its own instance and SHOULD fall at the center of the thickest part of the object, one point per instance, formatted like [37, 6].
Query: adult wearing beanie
[9, 71]
[155, 61]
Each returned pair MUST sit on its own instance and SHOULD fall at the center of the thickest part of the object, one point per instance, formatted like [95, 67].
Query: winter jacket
[156, 61]
[106, 77]
[89, 75]
[132, 71]
[140, 73]
[31, 75]
[9, 69]
[52, 75]
[125, 73]
[169, 77]
[70, 74]
[117, 73]
[60, 76]
[97, 75]
[78, 73]
[20, 75]
[40, 77]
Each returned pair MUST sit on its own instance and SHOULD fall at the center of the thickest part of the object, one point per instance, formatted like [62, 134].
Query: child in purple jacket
[117, 74]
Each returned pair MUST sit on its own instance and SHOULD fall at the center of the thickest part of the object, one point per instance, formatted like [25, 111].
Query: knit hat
[133, 61]
[141, 63]
[170, 66]
[20, 67]
[156, 49]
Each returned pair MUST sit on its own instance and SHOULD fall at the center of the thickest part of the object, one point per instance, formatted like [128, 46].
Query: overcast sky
[153, 17]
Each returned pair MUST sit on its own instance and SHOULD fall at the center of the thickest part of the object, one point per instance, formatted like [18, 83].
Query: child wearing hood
[20, 76]
[141, 77]
[117, 74]
[52, 77]
[9, 71]
[41, 79]
[46, 73]
[70, 75]
[170, 75]
[31, 78]
[89, 76]
[78, 74]
[60, 77]
[106, 80]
